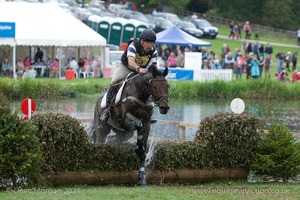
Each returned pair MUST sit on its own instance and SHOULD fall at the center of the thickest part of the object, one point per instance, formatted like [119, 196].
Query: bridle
[146, 84]
[160, 97]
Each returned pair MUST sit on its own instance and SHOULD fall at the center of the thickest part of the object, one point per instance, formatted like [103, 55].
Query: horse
[134, 112]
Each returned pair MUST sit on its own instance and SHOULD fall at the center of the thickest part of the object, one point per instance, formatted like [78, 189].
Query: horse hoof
[142, 184]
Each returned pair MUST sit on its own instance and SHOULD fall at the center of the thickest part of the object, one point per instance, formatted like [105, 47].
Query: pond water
[286, 112]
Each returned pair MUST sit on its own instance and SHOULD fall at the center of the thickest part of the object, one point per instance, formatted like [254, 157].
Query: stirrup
[105, 115]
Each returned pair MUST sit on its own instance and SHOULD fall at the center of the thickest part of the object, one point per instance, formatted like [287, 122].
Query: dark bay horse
[134, 111]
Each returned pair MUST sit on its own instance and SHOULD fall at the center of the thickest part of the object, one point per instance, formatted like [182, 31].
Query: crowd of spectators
[37, 67]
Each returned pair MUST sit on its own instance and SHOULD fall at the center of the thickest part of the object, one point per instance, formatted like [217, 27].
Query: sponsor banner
[7, 30]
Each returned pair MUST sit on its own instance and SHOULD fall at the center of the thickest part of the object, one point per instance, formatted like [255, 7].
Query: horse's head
[159, 89]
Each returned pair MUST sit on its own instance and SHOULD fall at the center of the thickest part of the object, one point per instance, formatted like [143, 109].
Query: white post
[14, 60]
[29, 108]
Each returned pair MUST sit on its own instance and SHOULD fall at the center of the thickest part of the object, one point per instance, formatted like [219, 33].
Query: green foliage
[4, 104]
[278, 154]
[63, 141]
[169, 156]
[40, 89]
[230, 140]
[20, 156]
[261, 12]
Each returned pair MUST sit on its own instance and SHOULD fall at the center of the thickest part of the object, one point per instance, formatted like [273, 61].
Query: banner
[7, 29]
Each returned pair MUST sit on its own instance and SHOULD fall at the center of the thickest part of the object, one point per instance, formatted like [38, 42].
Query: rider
[139, 53]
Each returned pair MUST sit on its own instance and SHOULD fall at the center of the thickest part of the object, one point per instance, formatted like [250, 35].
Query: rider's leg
[109, 96]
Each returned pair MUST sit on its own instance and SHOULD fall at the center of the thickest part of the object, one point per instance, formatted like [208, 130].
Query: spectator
[216, 65]
[154, 12]
[94, 64]
[55, 68]
[73, 65]
[231, 30]
[6, 67]
[39, 64]
[86, 65]
[142, 8]
[261, 50]
[27, 62]
[49, 64]
[160, 7]
[261, 65]
[255, 49]
[29, 73]
[229, 61]
[20, 67]
[280, 59]
[239, 31]
[38, 55]
[180, 58]
[283, 75]
[171, 61]
[247, 30]
[268, 66]
[194, 16]
[239, 64]
[255, 67]
[294, 59]
[269, 50]
[80, 64]
[296, 76]
[287, 60]
[248, 65]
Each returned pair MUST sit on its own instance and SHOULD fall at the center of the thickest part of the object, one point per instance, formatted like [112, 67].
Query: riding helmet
[148, 35]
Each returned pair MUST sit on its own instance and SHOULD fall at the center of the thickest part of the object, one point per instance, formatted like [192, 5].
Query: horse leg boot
[106, 112]
[140, 151]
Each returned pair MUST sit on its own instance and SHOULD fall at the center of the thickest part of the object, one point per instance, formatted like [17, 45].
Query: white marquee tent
[43, 24]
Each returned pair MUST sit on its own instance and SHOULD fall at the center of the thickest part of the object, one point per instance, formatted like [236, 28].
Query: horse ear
[166, 71]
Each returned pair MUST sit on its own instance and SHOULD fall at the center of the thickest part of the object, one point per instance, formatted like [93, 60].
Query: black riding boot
[106, 113]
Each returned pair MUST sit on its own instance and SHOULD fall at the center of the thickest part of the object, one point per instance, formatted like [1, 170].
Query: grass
[210, 191]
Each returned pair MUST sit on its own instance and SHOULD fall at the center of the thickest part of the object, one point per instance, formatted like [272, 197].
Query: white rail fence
[213, 75]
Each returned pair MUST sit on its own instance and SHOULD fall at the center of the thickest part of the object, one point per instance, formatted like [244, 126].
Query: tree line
[284, 14]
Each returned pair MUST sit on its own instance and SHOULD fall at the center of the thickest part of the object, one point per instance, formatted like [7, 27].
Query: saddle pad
[103, 102]
[119, 94]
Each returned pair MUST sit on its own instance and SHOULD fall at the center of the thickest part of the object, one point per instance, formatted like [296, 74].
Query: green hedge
[20, 155]
[65, 147]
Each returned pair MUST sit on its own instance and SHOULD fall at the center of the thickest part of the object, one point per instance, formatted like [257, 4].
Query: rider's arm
[134, 65]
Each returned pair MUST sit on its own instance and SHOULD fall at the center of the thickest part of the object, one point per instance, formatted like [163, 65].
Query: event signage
[179, 74]
[7, 29]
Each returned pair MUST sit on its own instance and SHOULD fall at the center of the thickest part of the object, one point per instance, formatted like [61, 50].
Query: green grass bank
[41, 89]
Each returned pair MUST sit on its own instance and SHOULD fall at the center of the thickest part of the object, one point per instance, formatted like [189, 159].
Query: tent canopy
[44, 24]
[175, 36]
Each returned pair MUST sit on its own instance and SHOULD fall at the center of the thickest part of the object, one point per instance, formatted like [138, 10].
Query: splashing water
[151, 151]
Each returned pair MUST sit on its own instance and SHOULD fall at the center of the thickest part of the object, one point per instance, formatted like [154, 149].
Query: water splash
[151, 151]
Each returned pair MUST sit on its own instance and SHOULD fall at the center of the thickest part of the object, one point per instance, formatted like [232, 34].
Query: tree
[200, 6]
[278, 13]
[278, 154]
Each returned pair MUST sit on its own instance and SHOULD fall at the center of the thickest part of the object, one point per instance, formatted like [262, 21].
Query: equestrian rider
[139, 53]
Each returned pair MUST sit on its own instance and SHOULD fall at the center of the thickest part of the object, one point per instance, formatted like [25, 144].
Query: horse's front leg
[141, 152]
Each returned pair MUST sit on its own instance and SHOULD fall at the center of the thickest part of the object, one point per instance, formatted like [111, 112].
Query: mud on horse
[133, 112]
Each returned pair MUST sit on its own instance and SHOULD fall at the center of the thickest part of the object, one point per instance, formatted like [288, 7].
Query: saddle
[119, 93]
